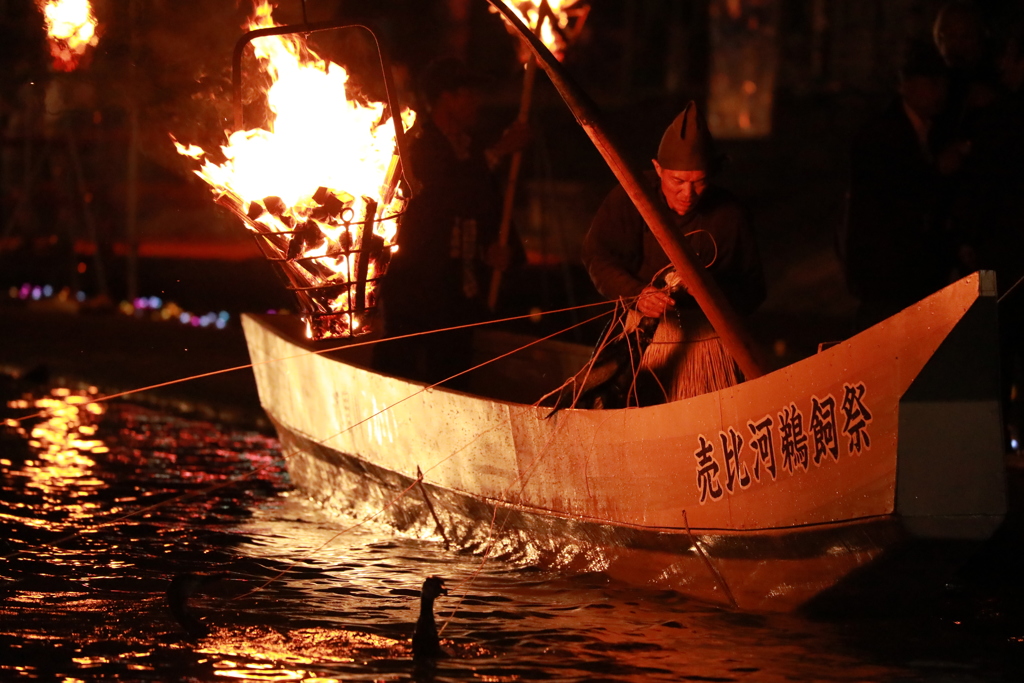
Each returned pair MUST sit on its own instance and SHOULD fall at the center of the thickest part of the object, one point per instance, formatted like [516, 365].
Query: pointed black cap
[687, 144]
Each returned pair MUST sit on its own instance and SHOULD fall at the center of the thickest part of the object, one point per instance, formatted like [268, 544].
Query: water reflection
[62, 446]
[99, 511]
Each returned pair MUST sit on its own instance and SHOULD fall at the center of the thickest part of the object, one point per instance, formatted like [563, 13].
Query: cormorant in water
[181, 589]
[425, 642]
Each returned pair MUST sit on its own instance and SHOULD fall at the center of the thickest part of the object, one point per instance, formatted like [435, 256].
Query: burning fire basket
[330, 245]
[336, 291]
[333, 260]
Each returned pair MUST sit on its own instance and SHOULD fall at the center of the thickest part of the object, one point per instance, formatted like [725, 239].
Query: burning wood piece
[556, 22]
[364, 257]
[331, 208]
[275, 205]
[307, 236]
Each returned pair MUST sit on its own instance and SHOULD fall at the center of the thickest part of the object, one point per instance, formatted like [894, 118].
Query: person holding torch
[448, 243]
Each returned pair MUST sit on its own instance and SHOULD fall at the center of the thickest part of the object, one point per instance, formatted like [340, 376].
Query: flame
[71, 29]
[325, 166]
[552, 27]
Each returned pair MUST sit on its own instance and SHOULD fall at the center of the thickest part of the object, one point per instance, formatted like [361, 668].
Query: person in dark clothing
[896, 249]
[626, 262]
[961, 38]
[623, 256]
[989, 213]
[448, 236]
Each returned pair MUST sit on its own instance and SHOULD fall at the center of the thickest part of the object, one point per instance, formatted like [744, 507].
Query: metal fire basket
[320, 287]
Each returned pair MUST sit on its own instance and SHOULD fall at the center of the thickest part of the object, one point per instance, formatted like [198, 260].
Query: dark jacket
[989, 213]
[623, 256]
[438, 276]
[896, 247]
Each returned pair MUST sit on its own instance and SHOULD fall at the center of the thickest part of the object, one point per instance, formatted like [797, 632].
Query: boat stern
[951, 474]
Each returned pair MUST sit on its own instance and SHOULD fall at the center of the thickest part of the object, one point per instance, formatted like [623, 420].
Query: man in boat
[449, 235]
[625, 262]
[897, 248]
[989, 213]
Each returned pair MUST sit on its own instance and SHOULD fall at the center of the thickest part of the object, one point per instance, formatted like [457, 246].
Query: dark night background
[163, 67]
[97, 207]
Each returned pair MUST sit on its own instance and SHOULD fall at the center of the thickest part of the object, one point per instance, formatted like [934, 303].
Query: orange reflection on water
[263, 654]
[63, 442]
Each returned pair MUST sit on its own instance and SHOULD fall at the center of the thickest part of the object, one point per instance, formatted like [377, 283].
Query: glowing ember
[71, 29]
[309, 184]
[555, 22]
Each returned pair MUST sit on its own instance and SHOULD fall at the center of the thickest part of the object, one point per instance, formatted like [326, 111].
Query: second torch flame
[549, 20]
[322, 170]
[70, 29]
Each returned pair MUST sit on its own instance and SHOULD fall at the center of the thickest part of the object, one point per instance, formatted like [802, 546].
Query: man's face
[959, 38]
[681, 188]
[463, 106]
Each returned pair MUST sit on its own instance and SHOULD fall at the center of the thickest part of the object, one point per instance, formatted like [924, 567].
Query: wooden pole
[709, 296]
[90, 222]
[513, 174]
[132, 180]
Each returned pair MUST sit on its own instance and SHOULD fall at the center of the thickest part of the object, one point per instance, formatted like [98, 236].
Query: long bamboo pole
[709, 296]
[513, 175]
[132, 181]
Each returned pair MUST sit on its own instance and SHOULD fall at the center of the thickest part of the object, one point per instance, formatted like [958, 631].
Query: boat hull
[774, 570]
[760, 496]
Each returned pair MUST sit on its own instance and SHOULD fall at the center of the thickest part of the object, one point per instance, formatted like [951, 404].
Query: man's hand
[653, 302]
[514, 139]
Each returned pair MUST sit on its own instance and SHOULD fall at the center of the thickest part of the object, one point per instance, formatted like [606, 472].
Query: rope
[707, 562]
[285, 457]
[460, 374]
[1007, 292]
[522, 479]
[204, 375]
[419, 478]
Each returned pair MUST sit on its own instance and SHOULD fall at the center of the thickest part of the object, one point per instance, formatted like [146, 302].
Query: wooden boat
[761, 496]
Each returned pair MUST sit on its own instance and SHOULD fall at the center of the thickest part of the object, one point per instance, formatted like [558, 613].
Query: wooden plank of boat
[761, 496]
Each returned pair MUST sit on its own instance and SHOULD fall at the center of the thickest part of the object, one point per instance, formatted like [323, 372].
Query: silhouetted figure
[426, 644]
[961, 37]
[989, 213]
[448, 240]
[181, 589]
[895, 247]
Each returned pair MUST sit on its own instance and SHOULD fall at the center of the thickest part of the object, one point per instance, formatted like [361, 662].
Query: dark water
[87, 568]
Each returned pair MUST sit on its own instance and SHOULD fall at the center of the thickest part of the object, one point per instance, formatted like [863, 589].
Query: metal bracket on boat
[430, 506]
